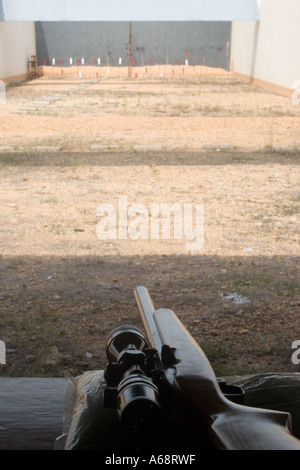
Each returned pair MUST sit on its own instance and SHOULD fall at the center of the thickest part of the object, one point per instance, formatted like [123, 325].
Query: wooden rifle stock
[232, 426]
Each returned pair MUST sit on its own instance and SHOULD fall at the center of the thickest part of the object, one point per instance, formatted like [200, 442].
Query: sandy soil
[70, 145]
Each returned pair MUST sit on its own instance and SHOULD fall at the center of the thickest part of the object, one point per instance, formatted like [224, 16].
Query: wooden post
[129, 50]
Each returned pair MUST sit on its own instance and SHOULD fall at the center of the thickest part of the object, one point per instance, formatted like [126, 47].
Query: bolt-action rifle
[149, 376]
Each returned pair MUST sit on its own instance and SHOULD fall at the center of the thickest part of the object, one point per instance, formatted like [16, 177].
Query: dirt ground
[70, 145]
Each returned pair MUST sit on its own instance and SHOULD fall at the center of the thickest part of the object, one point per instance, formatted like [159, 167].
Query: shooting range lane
[58, 281]
[31, 412]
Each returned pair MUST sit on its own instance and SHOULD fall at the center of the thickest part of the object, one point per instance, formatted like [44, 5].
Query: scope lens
[139, 406]
[121, 337]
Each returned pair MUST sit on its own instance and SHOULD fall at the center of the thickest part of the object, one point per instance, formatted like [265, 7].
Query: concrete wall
[268, 52]
[17, 44]
[202, 43]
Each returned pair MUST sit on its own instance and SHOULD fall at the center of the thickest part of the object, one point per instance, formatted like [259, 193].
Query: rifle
[166, 372]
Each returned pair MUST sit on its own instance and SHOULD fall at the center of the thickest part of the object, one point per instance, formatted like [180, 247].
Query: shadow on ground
[56, 313]
[163, 158]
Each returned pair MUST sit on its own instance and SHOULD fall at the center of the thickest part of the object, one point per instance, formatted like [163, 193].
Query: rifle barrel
[147, 311]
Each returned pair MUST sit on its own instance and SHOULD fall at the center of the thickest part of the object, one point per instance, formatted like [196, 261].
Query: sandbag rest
[31, 412]
[42, 413]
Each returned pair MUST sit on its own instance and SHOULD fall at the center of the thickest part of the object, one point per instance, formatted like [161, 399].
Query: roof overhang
[129, 10]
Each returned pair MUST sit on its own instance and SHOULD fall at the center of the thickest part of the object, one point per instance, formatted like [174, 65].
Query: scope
[130, 387]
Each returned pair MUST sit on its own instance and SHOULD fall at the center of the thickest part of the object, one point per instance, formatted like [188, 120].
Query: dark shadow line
[108, 158]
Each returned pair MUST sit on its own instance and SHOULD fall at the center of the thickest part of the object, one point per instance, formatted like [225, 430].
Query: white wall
[129, 10]
[269, 50]
[17, 44]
